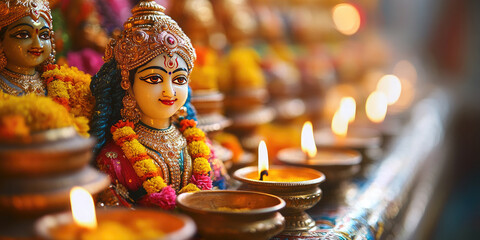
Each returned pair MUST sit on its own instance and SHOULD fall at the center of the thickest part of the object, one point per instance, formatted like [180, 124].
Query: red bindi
[36, 31]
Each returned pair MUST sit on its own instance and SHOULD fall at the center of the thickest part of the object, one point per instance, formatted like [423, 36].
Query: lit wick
[262, 160]
[308, 141]
[262, 173]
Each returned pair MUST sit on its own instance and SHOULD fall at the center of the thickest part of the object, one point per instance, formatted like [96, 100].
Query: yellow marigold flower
[82, 127]
[74, 85]
[123, 132]
[189, 188]
[40, 113]
[144, 166]
[198, 147]
[59, 88]
[133, 148]
[201, 166]
[154, 184]
[193, 132]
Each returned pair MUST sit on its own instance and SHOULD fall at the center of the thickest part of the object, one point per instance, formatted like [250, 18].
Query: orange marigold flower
[121, 124]
[49, 67]
[121, 140]
[186, 123]
[13, 126]
[62, 101]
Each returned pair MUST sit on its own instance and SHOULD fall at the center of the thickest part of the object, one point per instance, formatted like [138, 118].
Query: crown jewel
[12, 10]
[147, 34]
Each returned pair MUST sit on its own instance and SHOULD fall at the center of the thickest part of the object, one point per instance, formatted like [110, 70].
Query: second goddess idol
[147, 137]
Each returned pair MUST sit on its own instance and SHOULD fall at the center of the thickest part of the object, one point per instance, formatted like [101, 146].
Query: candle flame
[340, 124]
[390, 85]
[83, 209]
[346, 18]
[308, 141]
[376, 106]
[348, 108]
[262, 157]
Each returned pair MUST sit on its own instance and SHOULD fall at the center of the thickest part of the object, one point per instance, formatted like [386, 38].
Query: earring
[130, 111]
[180, 114]
[51, 58]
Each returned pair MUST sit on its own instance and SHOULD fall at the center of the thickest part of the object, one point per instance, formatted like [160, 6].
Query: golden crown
[12, 10]
[147, 34]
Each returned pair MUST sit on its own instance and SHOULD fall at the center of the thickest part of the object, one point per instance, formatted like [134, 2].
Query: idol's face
[161, 87]
[27, 43]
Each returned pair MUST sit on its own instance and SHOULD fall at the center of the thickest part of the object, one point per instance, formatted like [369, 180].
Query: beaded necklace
[165, 147]
[150, 170]
[26, 83]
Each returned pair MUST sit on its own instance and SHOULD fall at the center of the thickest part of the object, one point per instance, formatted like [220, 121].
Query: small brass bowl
[37, 196]
[50, 152]
[298, 195]
[234, 214]
[338, 165]
[168, 226]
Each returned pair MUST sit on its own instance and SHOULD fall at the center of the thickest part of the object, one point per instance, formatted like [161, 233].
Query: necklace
[26, 83]
[169, 143]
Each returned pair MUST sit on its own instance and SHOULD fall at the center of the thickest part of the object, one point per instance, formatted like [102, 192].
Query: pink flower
[164, 199]
[203, 182]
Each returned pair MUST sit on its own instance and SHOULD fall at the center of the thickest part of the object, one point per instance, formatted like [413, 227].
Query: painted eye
[21, 35]
[180, 80]
[152, 79]
[45, 35]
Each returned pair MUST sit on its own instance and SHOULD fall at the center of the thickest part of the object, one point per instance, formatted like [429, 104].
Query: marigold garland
[39, 112]
[70, 87]
[124, 135]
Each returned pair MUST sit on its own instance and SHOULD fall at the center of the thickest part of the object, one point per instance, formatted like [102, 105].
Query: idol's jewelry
[26, 83]
[130, 111]
[147, 34]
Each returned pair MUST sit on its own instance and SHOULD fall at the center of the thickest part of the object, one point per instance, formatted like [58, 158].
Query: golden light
[334, 96]
[308, 141]
[346, 18]
[340, 124]
[390, 85]
[262, 157]
[83, 209]
[348, 108]
[376, 106]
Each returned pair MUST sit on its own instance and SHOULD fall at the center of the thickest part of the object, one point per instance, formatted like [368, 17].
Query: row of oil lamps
[271, 199]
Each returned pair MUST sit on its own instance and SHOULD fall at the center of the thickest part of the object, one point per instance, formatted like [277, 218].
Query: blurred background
[266, 66]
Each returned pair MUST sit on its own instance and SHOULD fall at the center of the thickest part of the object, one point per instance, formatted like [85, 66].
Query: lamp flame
[348, 108]
[83, 209]
[390, 85]
[262, 158]
[340, 124]
[308, 141]
[346, 18]
[376, 106]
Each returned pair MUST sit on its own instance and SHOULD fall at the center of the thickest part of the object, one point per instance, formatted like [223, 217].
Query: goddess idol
[26, 44]
[148, 142]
